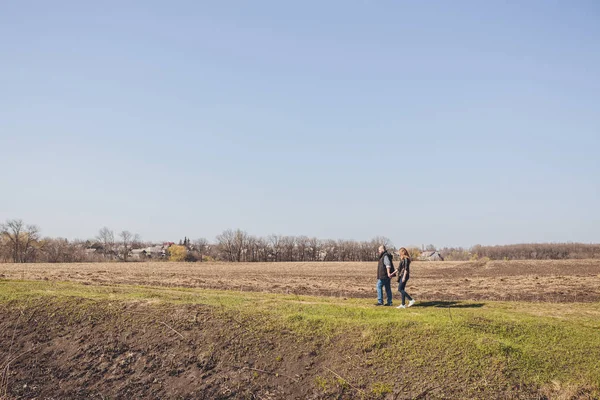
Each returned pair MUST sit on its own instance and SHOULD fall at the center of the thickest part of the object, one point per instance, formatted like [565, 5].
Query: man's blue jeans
[388, 290]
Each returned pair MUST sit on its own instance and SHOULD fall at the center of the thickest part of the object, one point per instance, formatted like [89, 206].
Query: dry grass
[555, 281]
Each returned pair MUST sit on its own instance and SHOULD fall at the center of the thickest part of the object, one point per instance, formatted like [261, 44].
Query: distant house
[431, 256]
[137, 254]
[153, 252]
[156, 251]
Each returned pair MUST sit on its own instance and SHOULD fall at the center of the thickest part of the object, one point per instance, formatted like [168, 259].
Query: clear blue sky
[452, 123]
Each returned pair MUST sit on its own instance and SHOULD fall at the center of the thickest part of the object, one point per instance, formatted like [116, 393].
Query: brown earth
[132, 350]
[84, 349]
[554, 281]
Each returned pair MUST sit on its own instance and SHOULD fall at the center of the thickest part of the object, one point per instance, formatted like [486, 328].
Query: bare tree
[328, 250]
[201, 246]
[275, 244]
[252, 254]
[241, 244]
[288, 244]
[107, 238]
[382, 240]
[226, 244]
[128, 240]
[302, 243]
[234, 245]
[378, 241]
[314, 245]
[21, 239]
[5, 250]
[343, 250]
[262, 249]
[55, 250]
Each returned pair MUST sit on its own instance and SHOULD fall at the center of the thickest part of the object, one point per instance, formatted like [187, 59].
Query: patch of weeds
[342, 384]
[321, 383]
[380, 389]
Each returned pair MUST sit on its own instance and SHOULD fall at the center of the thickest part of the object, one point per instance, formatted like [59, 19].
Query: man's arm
[388, 265]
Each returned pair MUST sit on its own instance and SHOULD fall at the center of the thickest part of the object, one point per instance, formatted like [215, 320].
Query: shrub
[177, 253]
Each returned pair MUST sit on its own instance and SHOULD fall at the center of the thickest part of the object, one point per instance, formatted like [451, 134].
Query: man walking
[384, 275]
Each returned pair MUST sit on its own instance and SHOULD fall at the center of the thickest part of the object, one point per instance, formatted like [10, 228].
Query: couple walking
[385, 272]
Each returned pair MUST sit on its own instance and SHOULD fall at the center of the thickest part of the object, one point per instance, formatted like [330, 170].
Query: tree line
[21, 243]
[239, 246]
[524, 251]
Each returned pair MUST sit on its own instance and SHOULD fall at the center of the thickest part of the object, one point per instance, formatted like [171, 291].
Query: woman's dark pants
[401, 286]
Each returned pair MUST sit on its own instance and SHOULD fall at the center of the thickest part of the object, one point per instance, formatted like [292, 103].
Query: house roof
[154, 249]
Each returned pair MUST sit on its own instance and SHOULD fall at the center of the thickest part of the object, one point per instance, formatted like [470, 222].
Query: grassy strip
[477, 344]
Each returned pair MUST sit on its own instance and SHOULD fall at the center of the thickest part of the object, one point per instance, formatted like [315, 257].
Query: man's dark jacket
[381, 268]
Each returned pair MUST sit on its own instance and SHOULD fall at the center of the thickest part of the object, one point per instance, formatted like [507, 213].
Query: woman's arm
[404, 269]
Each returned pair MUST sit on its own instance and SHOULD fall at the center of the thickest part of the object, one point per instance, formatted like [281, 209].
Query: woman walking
[403, 276]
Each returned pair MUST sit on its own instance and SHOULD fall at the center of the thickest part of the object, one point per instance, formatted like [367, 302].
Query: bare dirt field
[553, 281]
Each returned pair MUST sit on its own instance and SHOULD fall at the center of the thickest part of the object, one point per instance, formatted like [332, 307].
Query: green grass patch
[475, 343]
